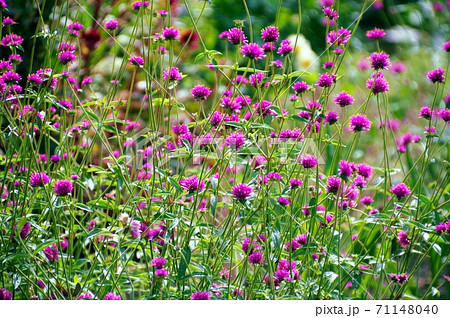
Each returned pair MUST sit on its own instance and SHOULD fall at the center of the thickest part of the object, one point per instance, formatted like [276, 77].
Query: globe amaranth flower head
[111, 295]
[400, 190]
[38, 179]
[170, 33]
[425, 112]
[339, 37]
[263, 108]
[444, 114]
[137, 61]
[63, 187]
[379, 61]
[201, 295]
[325, 80]
[285, 48]
[375, 34]
[51, 252]
[172, 74]
[135, 228]
[200, 92]
[377, 83]
[252, 51]
[443, 228]
[402, 239]
[359, 123]
[300, 87]
[138, 4]
[270, 34]
[436, 76]
[159, 262]
[5, 294]
[331, 117]
[308, 161]
[74, 28]
[284, 201]
[235, 141]
[446, 46]
[111, 24]
[343, 99]
[236, 36]
[242, 191]
[295, 183]
[333, 184]
[399, 278]
[66, 57]
[11, 40]
[192, 184]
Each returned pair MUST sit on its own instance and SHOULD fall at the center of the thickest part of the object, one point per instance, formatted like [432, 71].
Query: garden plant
[273, 149]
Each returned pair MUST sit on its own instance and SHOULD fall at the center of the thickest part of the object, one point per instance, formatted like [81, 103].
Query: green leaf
[213, 204]
[184, 262]
[175, 184]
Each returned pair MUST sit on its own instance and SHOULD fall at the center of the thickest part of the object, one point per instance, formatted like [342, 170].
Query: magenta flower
[400, 190]
[235, 141]
[283, 201]
[333, 184]
[173, 74]
[162, 272]
[5, 294]
[343, 99]
[300, 87]
[63, 187]
[111, 25]
[402, 238]
[216, 118]
[138, 4]
[425, 112]
[170, 33]
[192, 184]
[135, 228]
[308, 161]
[200, 296]
[11, 40]
[359, 123]
[200, 92]
[331, 117]
[375, 34]
[444, 114]
[236, 36]
[74, 28]
[270, 34]
[377, 84]
[137, 61]
[110, 295]
[295, 183]
[446, 46]
[379, 61]
[399, 278]
[39, 179]
[256, 257]
[325, 80]
[51, 252]
[263, 108]
[159, 262]
[285, 48]
[436, 76]
[242, 191]
[252, 51]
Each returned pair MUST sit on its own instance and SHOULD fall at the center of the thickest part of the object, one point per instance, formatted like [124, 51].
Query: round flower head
[192, 184]
[111, 25]
[51, 252]
[402, 239]
[325, 80]
[377, 84]
[446, 46]
[285, 48]
[444, 114]
[170, 33]
[200, 92]
[200, 296]
[39, 179]
[343, 99]
[110, 295]
[242, 191]
[236, 36]
[172, 74]
[333, 184]
[283, 201]
[252, 51]
[66, 57]
[379, 61]
[137, 61]
[256, 257]
[159, 262]
[5, 294]
[400, 190]
[300, 87]
[270, 34]
[138, 4]
[308, 161]
[359, 123]
[63, 187]
[135, 228]
[331, 117]
[425, 112]
[375, 34]
[398, 67]
[11, 40]
[235, 141]
[161, 272]
[436, 76]
[295, 183]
